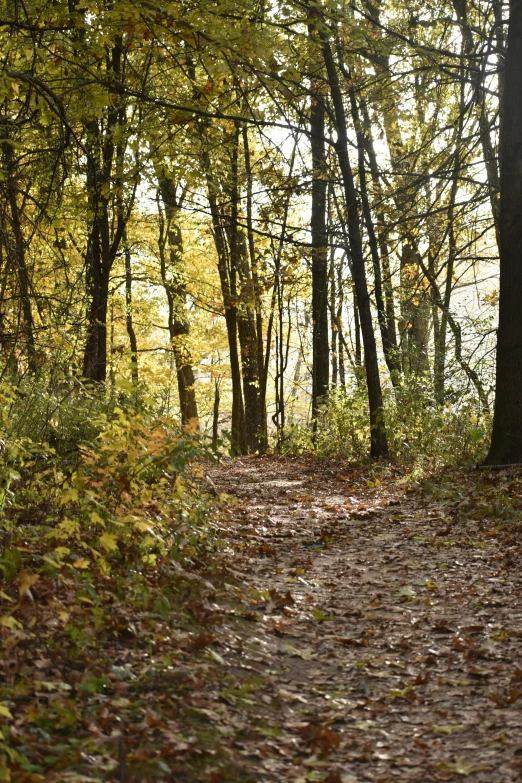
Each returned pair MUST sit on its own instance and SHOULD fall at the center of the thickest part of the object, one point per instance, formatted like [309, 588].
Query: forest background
[235, 226]
[225, 208]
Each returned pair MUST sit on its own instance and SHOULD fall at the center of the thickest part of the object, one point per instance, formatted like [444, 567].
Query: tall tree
[378, 439]
[506, 440]
[173, 277]
[320, 345]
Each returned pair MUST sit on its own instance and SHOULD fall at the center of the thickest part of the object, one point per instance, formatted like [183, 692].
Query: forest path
[377, 634]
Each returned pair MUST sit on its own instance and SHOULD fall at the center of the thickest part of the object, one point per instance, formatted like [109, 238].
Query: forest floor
[356, 626]
[383, 636]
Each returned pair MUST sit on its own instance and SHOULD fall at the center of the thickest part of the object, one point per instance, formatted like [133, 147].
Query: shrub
[418, 431]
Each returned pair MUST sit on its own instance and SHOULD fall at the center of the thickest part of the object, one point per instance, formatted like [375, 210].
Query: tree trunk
[107, 226]
[97, 275]
[173, 279]
[506, 441]
[215, 417]
[256, 292]
[477, 81]
[320, 347]
[388, 346]
[241, 278]
[333, 321]
[379, 444]
[16, 249]
[238, 433]
[128, 315]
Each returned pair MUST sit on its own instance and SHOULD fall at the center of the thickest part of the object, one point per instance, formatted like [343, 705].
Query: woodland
[260, 390]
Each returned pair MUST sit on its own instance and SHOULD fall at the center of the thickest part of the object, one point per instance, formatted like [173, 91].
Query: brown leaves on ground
[350, 628]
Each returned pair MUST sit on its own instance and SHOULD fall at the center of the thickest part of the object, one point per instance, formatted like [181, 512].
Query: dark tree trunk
[389, 343]
[95, 355]
[256, 295]
[339, 324]
[16, 249]
[320, 347]
[506, 441]
[173, 279]
[97, 272]
[379, 444]
[108, 226]
[215, 417]
[478, 75]
[241, 281]
[128, 316]
[333, 322]
[238, 432]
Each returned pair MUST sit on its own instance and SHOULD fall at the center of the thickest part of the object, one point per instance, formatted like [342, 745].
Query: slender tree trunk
[379, 445]
[339, 324]
[256, 288]
[357, 331]
[333, 321]
[388, 346]
[382, 234]
[97, 271]
[244, 294]
[238, 434]
[320, 347]
[215, 416]
[129, 324]
[506, 441]
[16, 249]
[477, 81]
[173, 279]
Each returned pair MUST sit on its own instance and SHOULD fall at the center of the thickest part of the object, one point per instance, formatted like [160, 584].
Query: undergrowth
[420, 434]
[103, 521]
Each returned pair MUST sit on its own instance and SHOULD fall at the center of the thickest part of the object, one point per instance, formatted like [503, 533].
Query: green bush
[418, 431]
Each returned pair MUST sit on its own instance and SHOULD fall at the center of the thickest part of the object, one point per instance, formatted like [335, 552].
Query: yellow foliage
[26, 580]
[108, 542]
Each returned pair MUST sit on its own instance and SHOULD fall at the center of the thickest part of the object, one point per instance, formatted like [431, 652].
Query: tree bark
[256, 288]
[506, 441]
[173, 279]
[106, 231]
[15, 246]
[320, 347]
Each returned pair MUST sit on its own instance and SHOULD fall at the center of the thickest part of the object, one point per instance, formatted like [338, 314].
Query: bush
[418, 431]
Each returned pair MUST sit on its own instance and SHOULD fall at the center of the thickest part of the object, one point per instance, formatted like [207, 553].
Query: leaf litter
[353, 627]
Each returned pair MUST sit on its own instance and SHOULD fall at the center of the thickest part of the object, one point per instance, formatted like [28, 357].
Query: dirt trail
[378, 636]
